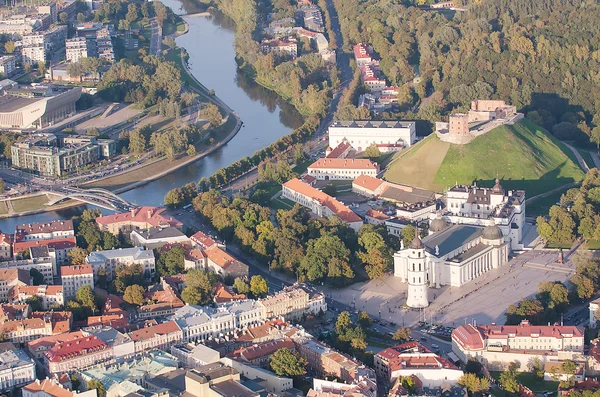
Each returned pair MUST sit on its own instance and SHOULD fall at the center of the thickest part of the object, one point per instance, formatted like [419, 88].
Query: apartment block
[7, 65]
[75, 277]
[109, 260]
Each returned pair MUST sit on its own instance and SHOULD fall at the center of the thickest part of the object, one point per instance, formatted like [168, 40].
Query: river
[266, 117]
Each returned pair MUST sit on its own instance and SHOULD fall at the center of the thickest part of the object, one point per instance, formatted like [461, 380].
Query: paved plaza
[483, 300]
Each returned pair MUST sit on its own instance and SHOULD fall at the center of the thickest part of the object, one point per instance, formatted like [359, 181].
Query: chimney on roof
[133, 212]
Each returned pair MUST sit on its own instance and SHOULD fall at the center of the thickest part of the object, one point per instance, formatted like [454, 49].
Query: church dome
[492, 232]
[438, 224]
[498, 187]
[416, 244]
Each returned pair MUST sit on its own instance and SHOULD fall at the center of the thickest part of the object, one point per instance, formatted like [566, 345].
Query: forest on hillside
[541, 55]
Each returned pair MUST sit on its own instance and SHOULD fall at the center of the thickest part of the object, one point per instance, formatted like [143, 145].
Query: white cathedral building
[450, 255]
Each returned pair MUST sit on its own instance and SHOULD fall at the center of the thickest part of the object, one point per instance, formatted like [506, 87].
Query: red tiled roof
[307, 33]
[343, 212]
[37, 228]
[76, 270]
[56, 243]
[67, 350]
[10, 275]
[337, 163]
[31, 290]
[150, 332]
[308, 179]
[468, 336]
[266, 349]
[117, 321]
[339, 150]
[6, 238]
[11, 311]
[195, 255]
[150, 215]
[203, 239]
[360, 51]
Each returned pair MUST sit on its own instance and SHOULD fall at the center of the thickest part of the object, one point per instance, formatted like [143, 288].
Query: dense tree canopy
[536, 55]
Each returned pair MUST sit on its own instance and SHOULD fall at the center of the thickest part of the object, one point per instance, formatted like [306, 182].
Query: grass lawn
[542, 205]
[384, 159]
[564, 246]
[592, 245]
[420, 165]
[523, 155]
[3, 208]
[301, 167]
[270, 187]
[30, 203]
[282, 204]
[527, 379]
[175, 56]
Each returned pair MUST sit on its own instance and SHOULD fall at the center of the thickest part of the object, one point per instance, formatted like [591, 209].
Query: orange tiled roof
[225, 293]
[151, 215]
[150, 332]
[76, 270]
[52, 340]
[335, 206]
[219, 256]
[342, 163]
[368, 182]
[56, 243]
[50, 387]
[377, 215]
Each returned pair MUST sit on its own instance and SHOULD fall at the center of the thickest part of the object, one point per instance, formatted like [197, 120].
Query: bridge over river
[98, 197]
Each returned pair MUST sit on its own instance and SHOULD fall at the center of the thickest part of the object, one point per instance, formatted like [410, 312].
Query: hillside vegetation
[524, 156]
[540, 55]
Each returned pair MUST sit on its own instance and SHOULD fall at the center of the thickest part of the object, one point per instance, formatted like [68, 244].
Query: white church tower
[417, 275]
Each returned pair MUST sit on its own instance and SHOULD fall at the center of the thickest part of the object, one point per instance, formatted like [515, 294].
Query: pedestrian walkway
[580, 159]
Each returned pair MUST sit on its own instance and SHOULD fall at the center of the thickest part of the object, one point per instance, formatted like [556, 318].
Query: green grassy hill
[523, 156]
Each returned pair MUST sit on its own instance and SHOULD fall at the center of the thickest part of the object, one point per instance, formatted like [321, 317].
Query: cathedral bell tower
[417, 275]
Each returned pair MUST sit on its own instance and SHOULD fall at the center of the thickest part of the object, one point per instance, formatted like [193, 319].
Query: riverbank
[135, 177]
[143, 175]
[31, 205]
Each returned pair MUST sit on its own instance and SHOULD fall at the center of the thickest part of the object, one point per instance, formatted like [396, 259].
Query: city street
[156, 37]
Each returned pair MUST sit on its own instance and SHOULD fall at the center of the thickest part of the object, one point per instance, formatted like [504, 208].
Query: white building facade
[16, 369]
[473, 205]
[498, 345]
[362, 134]
[200, 323]
[111, 259]
[342, 169]
[453, 256]
[75, 277]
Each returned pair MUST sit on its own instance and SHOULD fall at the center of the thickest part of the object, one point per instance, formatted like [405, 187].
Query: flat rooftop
[9, 103]
[230, 388]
